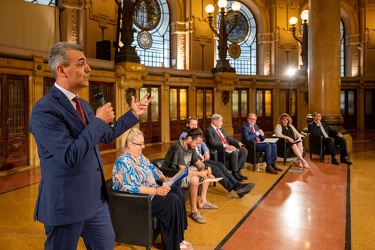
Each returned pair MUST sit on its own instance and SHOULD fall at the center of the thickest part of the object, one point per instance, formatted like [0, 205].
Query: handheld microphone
[99, 96]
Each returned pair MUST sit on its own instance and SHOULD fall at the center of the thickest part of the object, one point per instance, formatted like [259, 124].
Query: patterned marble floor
[327, 207]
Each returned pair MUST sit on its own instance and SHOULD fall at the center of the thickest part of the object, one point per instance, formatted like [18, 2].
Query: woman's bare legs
[298, 151]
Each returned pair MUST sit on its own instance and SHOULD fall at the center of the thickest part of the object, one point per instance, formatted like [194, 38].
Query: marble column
[324, 60]
[324, 81]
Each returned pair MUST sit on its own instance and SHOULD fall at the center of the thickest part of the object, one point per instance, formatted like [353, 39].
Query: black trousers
[219, 170]
[330, 144]
[171, 212]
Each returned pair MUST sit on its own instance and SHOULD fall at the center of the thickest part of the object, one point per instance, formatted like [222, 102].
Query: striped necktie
[79, 109]
[221, 137]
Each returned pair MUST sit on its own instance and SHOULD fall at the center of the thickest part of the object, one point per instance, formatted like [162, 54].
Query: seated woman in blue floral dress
[134, 173]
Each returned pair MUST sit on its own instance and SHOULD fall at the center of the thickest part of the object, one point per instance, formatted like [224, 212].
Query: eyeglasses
[138, 144]
[253, 119]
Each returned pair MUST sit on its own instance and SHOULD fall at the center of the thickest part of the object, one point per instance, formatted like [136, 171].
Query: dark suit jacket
[315, 130]
[70, 189]
[248, 135]
[213, 139]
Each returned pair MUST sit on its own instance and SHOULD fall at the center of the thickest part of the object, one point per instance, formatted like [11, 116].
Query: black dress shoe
[335, 162]
[276, 168]
[345, 161]
[269, 169]
[242, 176]
[237, 176]
[244, 189]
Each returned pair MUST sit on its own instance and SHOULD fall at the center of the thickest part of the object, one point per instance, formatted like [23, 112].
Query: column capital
[131, 74]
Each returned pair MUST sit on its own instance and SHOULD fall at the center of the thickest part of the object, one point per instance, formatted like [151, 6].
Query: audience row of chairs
[134, 210]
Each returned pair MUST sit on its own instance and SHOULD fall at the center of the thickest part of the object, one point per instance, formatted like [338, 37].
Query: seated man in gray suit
[235, 151]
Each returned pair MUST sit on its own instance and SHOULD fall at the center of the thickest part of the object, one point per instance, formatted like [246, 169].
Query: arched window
[245, 36]
[342, 49]
[152, 36]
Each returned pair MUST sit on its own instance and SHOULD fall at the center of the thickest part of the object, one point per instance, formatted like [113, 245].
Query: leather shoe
[269, 169]
[335, 162]
[242, 176]
[345, 161]
[244, 189]
[237, 176]
[276, 168]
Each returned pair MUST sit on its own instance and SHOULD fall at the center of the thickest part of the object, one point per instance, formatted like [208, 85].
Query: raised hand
[138, 108]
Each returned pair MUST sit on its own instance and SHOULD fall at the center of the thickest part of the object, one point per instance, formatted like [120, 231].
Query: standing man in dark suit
[331, 138]
[235, 150]
[251, 132]
[72, 191]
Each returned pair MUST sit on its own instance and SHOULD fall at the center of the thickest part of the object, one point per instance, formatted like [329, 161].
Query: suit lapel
[66, 104]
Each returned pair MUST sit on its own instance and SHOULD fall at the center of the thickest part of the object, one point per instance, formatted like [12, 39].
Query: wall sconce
[128, 95]
[225, 97]
[304, 43]
[222, 65]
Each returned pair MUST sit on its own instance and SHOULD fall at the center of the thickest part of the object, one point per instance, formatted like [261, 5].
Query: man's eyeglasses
[253, 119]
[138, 144]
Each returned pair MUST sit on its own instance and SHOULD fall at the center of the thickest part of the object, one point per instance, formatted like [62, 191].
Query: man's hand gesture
[138, 108]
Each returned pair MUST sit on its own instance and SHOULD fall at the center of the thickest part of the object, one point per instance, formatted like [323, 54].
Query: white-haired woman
[134, 173]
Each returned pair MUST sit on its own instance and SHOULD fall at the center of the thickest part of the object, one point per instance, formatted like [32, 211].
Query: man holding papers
[134, 173]
[218, 169]
[235, 151]
[251, 132]
[181, 155]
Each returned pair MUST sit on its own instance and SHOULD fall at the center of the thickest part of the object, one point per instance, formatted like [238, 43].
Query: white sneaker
[185, 245]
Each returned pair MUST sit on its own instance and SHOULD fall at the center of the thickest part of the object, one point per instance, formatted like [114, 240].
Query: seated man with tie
[251, 132]
[235, 151]
[331, 138]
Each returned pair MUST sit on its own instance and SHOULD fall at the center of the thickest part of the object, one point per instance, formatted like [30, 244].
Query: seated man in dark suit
[331, 138]
[235, 150]
[218, 169]
[251, 132]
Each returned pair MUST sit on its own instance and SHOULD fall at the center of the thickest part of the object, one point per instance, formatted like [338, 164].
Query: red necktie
[221, 137]
[79, 109]
[253, 130]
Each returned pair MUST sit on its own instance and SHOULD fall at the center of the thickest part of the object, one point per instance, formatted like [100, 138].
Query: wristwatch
[205, 167]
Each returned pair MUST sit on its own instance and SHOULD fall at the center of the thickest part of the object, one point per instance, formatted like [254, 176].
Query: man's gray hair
[215, 117]
[58, 55]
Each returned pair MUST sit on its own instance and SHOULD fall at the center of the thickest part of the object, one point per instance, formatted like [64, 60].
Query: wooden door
[348, 107]
[178, 110]
[264, 109]
[14, 121]
[150, 122]
[288, 104]
[240, 109]
[205, 107]
[369, 109]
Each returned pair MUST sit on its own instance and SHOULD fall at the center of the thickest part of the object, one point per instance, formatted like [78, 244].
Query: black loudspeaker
[103, 50]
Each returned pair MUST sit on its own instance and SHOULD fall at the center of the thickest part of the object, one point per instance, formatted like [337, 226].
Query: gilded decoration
[71, 4]
[104, 11]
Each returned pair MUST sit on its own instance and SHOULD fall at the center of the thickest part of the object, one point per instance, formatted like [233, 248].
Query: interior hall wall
[101, 24]
[370, 41]
[28, 25]
[202, 40]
